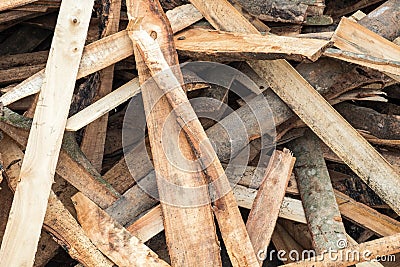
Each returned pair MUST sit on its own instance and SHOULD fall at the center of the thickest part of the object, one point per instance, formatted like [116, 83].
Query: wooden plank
[9, 4]
[103, 105]
[381, 64]
[234, 234]
[322, 212]
[73, 166]
[183, 16]
[94, 138]
[111, 238]
[338, 134]
[186, 225]
[282, 240]
[377, 248]
[96, 56]
[58, 220]
[261, 221]
[31, 196]
[213, 44]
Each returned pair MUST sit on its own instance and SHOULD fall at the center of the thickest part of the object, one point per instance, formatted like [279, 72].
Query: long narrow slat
[44, 143]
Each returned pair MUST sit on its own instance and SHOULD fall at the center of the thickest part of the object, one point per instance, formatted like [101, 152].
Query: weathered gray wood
[322, 212]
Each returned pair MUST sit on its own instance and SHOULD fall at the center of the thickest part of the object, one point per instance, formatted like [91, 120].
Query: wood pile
[199, 133]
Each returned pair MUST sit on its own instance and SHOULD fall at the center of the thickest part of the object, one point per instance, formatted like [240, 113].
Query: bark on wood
[351, 36]
[321, 210]
[380, 125]
[383, 65]
[384, 20]
[188, 222]
[208, 44]
[111, 238]
[280, 11]
[377, 248]
[232, 227]
[356, 153]
[95, 133]
[261, 223]
[58, 221]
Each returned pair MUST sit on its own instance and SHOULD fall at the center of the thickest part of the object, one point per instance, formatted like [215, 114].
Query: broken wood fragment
[261, 223]
[111, 238]
[9, 4]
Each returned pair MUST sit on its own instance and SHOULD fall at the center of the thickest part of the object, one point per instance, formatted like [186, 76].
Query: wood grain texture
[38, 167]
[261, 221]
[338, 134]
[211, 44]
[9, 4]
[225, 208]
[186, 226]
[94, 138]
[96, 56]
[111, 238]
[58, 220]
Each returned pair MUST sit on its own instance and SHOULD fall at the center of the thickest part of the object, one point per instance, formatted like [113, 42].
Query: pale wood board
[38, 167]
[9, 4]
[111, 238]
[204, 43]
[103, 105]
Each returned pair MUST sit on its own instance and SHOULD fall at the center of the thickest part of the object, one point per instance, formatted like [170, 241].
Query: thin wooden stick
[37, 171]
[264, 213]
[111, 238]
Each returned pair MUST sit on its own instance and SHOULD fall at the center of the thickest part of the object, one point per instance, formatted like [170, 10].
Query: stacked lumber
[199, 133]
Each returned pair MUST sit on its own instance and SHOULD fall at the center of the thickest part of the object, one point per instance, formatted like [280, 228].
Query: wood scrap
[157, 109]
[49, 121]
[208, 44]
[124, 187]
[8, 4]
[112, 239]
[260, 224]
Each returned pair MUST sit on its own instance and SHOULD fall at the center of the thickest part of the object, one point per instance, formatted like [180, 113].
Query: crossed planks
[295, 91]
[44, 143]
